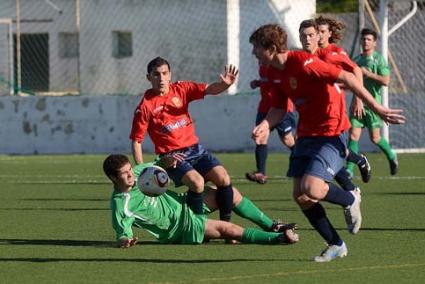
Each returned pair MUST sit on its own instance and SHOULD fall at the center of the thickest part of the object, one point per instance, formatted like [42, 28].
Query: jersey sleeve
[383, 68]
[340, 60]
[192, 90]
[321, 70]
[140, 123]
[120, 222]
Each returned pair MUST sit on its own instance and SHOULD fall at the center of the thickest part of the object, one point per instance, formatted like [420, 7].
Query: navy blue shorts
[318, 156]
[287, 125]
[197, 158]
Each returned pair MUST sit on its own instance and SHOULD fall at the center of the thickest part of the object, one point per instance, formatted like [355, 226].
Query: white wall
[101, 124]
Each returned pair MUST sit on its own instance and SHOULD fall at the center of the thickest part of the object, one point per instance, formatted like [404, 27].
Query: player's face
[125, 177]
[263, 55]
[160, 78]
[368, 43]
[324, 34]
[309, 38]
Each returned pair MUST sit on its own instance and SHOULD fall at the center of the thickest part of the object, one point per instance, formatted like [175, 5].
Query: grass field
[55, 227]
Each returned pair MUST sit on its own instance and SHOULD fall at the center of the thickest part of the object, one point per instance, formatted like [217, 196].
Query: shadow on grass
[64, 199]
[70, 243]
[146, 260]
[55, 209]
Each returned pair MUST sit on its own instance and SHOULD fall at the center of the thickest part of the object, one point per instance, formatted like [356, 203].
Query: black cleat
[365, 169]
[394, 166]
[256, 177]
[280, 227]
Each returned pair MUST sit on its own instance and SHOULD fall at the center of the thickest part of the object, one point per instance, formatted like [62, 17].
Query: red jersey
[309, 83]
[335, 48]
[268, 78]
[166, 118]
[336, 55]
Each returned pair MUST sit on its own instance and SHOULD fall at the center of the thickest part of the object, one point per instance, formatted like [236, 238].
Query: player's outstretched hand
[126, 243]
[392, 116]
[170, 161]
[229, 75]
[357, 109]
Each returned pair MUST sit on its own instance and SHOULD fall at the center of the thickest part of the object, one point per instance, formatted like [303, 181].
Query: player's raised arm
[389, 115]
[227, 78]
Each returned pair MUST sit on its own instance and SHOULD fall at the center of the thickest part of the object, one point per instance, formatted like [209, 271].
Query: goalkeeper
[170, 220]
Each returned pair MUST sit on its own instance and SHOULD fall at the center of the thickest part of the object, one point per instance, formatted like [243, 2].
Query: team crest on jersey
[176, 101]
[293, 83]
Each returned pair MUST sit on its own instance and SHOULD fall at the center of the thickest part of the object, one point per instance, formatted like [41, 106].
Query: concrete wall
[101, 124]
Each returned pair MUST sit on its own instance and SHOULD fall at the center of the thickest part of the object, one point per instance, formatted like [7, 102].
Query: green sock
[246, 209]
[386, 148]
[353, 145]
[255, 236]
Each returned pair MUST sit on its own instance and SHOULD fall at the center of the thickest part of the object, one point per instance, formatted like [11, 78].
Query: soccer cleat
[288, 237]
[332, 252]
[394, 166]
[365, 169]
[279, 226]
[352, 213]
[256, 177]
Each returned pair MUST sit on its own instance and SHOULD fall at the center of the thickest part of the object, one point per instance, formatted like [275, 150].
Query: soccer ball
[153, 181]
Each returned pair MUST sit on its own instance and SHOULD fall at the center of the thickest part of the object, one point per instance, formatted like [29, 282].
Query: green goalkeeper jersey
[377, 64]
[167, 217]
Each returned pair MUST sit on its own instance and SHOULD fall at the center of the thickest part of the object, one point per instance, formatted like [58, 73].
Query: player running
[285, 127]
[330, 31]
[320, 148]
[376, 74]
[309, 38]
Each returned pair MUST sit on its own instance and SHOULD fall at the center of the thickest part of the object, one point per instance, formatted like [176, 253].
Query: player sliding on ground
[170, 220]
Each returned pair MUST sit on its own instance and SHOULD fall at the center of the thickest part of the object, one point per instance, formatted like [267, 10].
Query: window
[122, 44]
[68, 45]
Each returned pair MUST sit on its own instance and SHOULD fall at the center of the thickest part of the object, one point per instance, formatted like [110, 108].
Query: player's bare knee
[197, 185]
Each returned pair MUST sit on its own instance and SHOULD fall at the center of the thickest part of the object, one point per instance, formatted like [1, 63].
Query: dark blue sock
[338, 196]
[224, 197]
[354, 157]
[343, 179]
[195, 202]
[261, 152]
[316, 215]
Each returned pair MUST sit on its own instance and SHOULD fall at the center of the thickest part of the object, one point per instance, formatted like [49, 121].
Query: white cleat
[352, 213]
[332, 252]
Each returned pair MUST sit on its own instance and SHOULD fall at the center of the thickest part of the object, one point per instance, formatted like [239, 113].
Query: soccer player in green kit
[170, 220]
[376, 74]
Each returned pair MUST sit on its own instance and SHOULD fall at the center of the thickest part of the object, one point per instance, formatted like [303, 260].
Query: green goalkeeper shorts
[369, 120]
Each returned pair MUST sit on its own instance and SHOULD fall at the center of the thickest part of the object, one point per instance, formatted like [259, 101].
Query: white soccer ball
[153, 181]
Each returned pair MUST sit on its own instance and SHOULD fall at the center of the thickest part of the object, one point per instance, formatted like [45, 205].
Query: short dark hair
[335, 27]
[308, 24]
[268, 35]
[113, 163]
[367, 31]
[156, 62]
